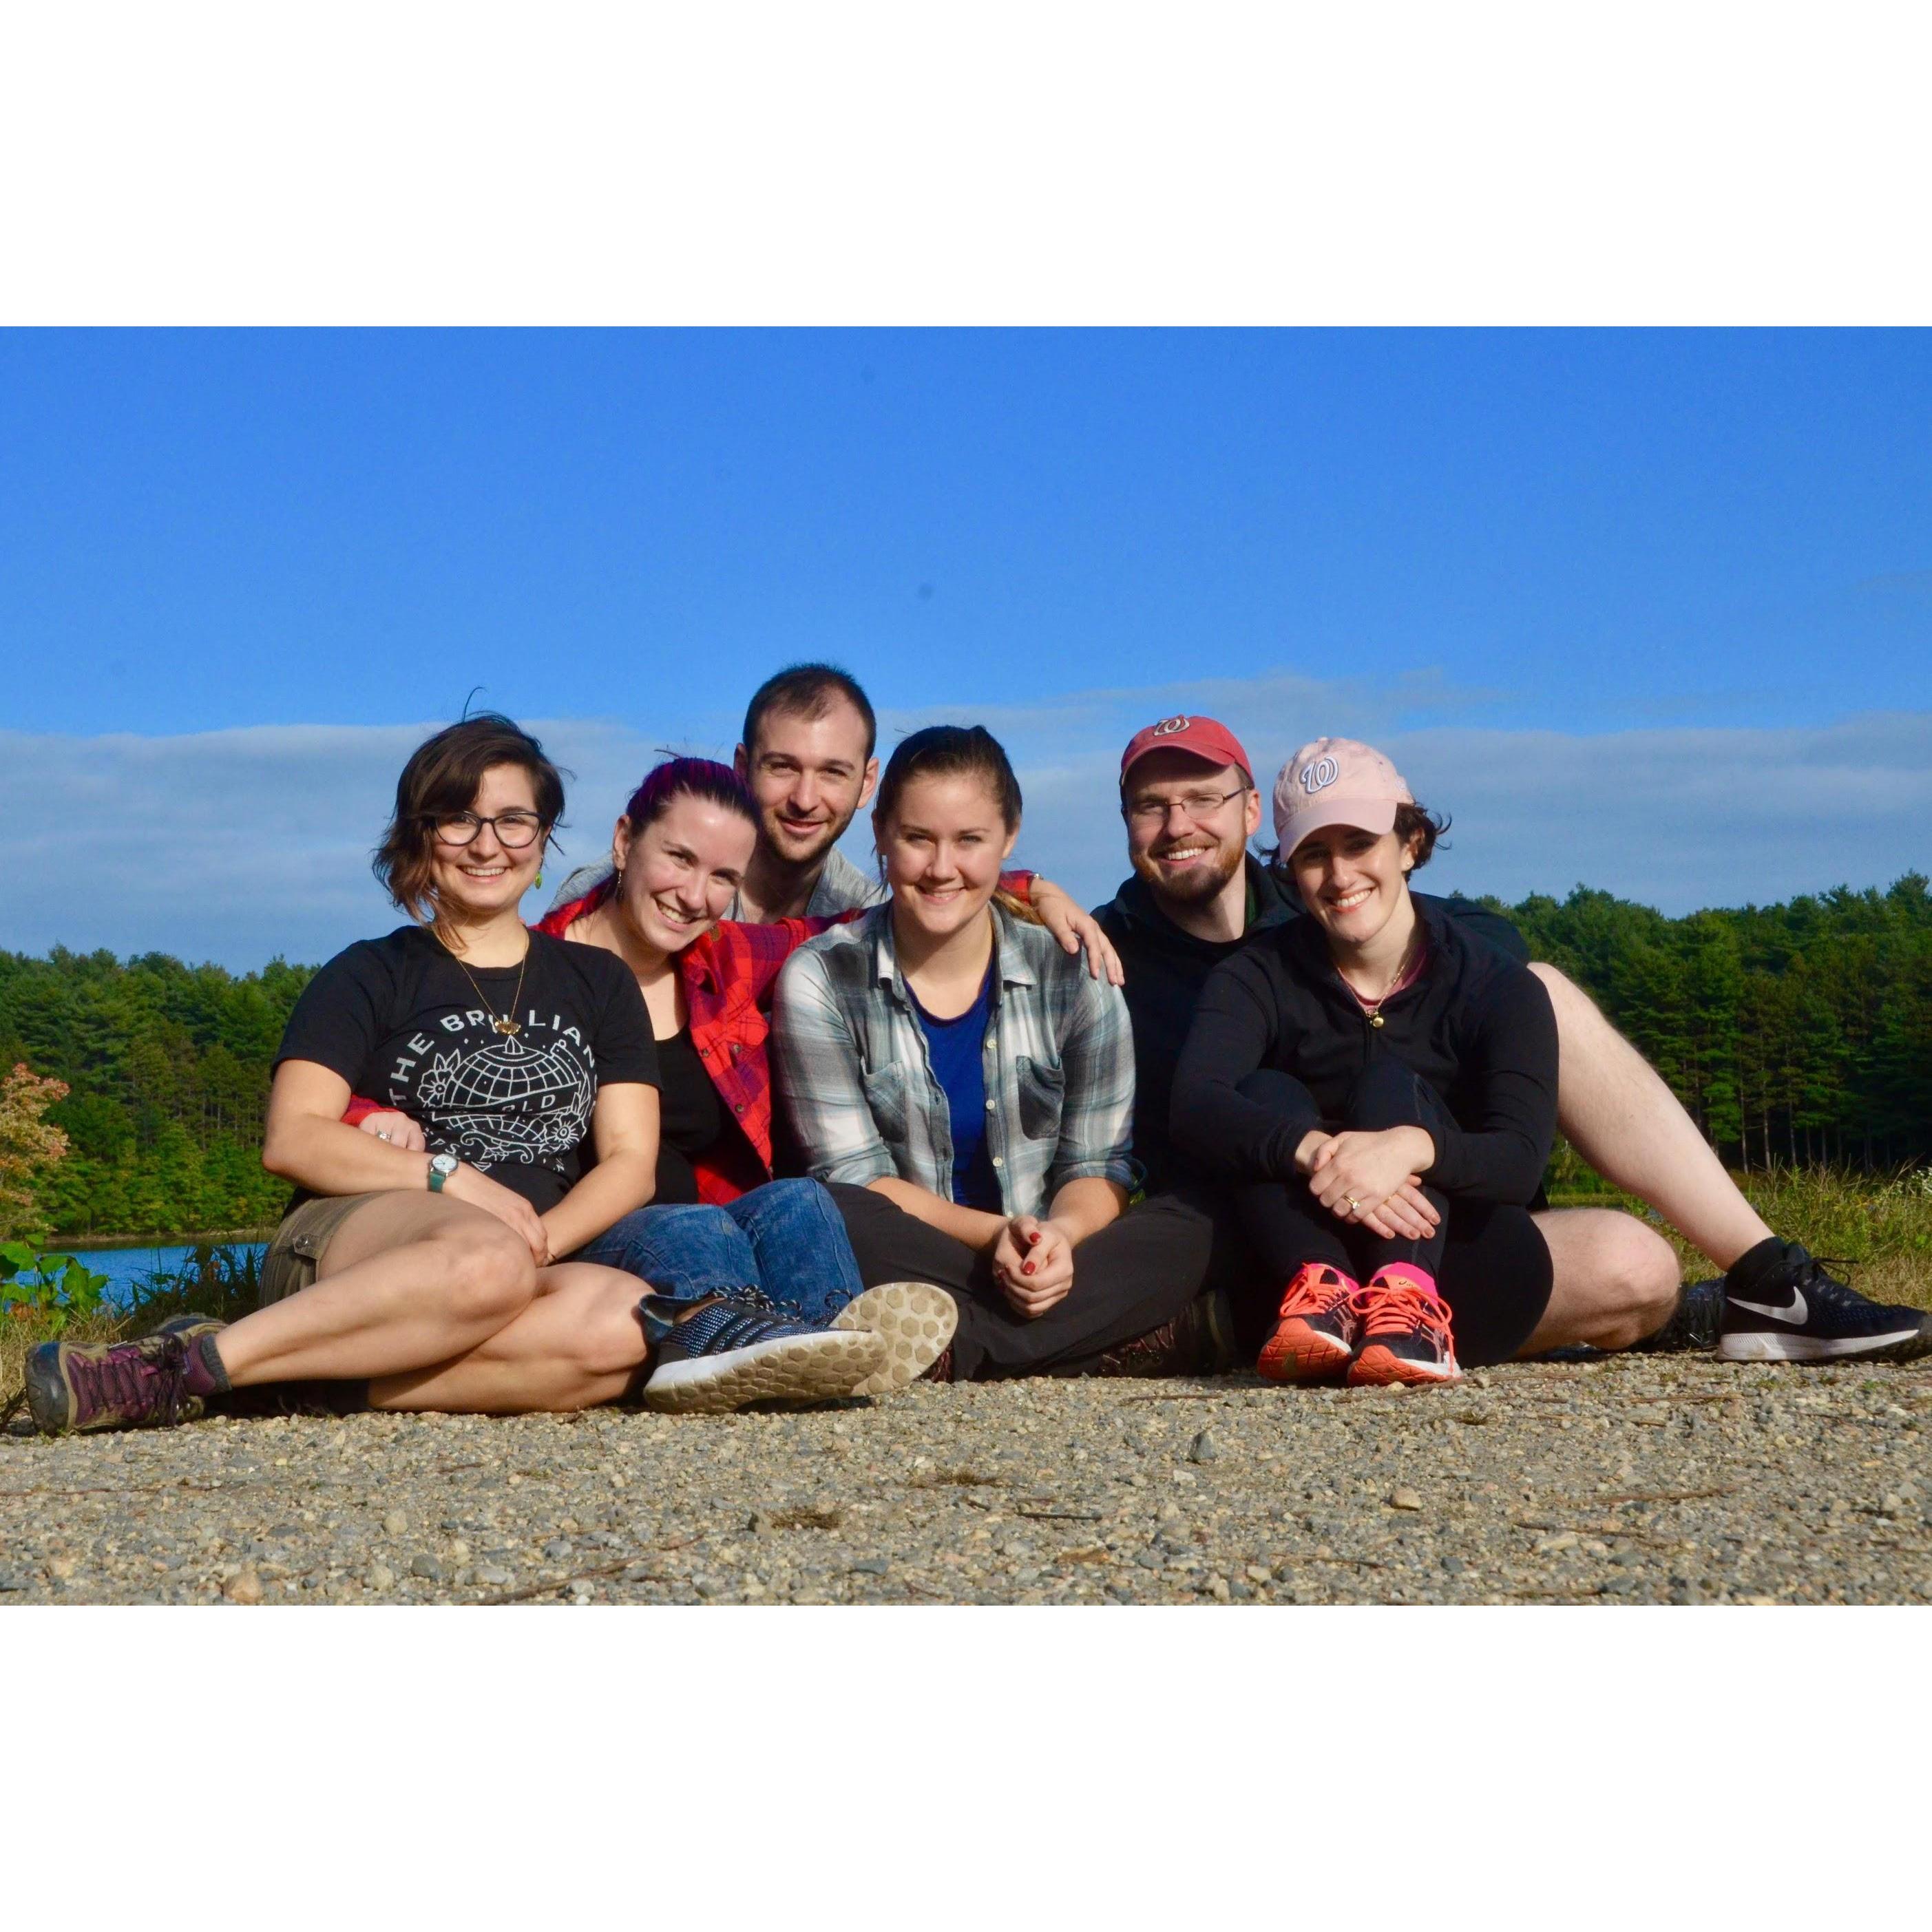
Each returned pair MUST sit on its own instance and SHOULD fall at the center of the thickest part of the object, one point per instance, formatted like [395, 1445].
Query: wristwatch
[441, 1167]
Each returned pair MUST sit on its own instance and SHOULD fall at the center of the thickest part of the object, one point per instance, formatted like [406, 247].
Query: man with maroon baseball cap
[1191, 805]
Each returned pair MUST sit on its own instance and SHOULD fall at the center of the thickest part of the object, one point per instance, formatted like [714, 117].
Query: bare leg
[410, 1280]
[1616, 1280]
[579, 1343]
[1627, 1124]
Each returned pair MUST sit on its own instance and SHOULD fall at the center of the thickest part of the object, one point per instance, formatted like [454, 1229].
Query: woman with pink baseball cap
[1380, 1087]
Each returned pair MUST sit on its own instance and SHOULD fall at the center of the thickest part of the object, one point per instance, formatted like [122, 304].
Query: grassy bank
[1882, 1228]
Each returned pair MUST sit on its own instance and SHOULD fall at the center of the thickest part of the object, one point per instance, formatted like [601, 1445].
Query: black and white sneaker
[733, 1350]
[1793, 1311]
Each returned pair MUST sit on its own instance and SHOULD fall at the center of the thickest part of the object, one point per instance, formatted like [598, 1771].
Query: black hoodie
[1476, 1025]
[1167, 968]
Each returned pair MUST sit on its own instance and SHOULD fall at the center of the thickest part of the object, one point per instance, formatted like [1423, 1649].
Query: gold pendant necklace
[508, 1027]
[1373, 1008]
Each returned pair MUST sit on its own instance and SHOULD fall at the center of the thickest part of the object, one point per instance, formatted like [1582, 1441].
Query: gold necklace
[1373, 1008]
[503, 1024]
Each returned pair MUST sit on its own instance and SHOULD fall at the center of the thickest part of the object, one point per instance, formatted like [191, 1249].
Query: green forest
[1796, 1035]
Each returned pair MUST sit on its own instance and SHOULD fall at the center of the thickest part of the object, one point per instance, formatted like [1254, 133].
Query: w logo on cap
[1318, 773]
[1168, 726]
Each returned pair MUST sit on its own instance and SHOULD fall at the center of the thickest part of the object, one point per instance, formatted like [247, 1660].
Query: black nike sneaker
[1791, 1310]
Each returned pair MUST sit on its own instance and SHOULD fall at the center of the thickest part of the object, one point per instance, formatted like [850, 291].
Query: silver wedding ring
[380, 1135]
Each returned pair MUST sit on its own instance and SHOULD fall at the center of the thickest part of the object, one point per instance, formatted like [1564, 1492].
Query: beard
[1201, 881]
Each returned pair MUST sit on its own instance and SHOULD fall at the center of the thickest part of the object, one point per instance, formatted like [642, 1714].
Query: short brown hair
[441, 779]
[808, 690]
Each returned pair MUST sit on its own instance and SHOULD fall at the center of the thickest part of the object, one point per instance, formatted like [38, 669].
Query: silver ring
[380, 1135]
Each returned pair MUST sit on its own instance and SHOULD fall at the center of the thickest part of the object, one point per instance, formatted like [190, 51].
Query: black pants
[1490, 1260]
[1136, 1274]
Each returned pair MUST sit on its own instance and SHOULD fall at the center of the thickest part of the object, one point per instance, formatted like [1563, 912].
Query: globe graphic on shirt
[506, 1101]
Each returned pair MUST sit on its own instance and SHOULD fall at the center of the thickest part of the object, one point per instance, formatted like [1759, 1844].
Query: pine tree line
[1794, 1034]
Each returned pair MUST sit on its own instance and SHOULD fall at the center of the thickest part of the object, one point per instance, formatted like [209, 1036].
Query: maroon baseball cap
[1206, 737]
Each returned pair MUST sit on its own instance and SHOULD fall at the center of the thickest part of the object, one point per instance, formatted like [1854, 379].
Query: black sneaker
[731, 1350]
[1696, 1322]
[1797, 1312]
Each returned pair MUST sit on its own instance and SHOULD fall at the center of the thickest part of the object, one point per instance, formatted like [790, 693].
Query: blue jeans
[785, 1239]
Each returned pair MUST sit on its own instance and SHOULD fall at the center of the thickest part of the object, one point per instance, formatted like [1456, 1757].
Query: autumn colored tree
[29, 1145]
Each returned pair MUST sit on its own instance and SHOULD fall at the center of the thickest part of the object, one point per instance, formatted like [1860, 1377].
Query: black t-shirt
[399, 1020]
[691, 1118]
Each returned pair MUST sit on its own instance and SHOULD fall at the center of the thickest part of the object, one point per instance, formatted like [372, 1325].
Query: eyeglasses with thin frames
[1148, 813]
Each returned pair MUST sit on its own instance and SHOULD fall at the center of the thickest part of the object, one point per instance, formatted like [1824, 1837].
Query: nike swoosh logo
[1797, 1314]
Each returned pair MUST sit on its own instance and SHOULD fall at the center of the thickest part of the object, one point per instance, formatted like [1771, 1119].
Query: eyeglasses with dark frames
[514, 830]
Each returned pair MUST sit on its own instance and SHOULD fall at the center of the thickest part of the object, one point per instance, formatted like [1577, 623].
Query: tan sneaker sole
[914, 1320]
[818, 1367]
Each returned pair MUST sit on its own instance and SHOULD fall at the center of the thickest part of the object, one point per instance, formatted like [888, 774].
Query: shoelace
[1393, 1308]
[125, 1374]
[1313, 1293]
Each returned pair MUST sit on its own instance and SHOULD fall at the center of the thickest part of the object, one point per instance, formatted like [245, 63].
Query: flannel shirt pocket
[1042, 1095]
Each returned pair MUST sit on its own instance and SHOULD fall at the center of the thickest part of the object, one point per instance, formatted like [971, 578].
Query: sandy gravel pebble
[1627, 1480]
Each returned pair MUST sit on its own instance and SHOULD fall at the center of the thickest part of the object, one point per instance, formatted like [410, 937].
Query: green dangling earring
[537, 881]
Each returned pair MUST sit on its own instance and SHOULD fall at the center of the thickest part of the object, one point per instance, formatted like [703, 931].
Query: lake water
[127, 1268]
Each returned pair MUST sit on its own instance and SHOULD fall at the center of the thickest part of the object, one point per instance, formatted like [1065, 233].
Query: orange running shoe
[1406, 1335]
[1315, 1332]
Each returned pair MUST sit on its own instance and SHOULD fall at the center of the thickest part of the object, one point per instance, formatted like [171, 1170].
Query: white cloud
[237, 845]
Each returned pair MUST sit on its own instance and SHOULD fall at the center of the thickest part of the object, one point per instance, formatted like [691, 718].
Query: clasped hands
[1373, 1180]
[1032, 1262]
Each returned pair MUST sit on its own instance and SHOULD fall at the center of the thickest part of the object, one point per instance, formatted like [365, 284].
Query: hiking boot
[1792, 1310]
[1316, 1330]
[139, 1384]
[1694, 1323]
[728, 1350]
[914, 1320]
[1198, 1341]
[1406, 1335]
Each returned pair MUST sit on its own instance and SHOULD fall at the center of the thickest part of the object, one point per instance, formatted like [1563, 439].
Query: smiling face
[810, 775]
[1353, 881]
[1189, 823]
[943, 846]
[485, 877]
[681, 870]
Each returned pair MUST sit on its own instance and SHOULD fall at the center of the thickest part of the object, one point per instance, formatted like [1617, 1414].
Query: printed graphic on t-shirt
[488, 1098]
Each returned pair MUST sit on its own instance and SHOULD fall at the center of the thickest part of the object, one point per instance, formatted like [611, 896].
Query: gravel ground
[1627, 1480]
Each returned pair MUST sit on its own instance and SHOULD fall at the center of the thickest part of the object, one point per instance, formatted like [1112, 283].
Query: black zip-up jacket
[1476, 1026]
[1167, 968]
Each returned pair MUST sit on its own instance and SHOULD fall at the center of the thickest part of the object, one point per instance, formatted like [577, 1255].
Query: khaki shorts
[296, 1254]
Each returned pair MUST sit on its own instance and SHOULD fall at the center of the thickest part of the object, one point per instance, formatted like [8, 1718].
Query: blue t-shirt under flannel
[956, 1048]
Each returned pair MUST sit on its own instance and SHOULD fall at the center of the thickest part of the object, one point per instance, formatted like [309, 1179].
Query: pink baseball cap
[1335, 781]
[1206, 737]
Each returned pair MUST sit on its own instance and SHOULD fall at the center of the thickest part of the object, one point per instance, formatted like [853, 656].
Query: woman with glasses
[440, 1275]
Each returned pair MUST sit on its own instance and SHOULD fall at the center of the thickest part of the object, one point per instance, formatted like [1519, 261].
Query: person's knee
[610, 1339]
[1641, 1277]
[488, 1274]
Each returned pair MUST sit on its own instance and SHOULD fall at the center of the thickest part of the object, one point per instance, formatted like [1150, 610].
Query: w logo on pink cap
[1336, 781]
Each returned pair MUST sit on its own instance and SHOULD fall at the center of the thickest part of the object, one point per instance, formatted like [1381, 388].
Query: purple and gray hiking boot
[151, 1383]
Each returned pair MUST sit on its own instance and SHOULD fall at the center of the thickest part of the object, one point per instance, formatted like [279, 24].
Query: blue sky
[1652, 611]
